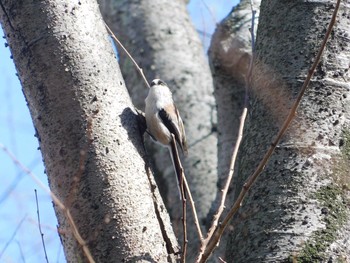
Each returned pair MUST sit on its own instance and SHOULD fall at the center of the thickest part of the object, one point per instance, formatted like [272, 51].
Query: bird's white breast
[159, 97]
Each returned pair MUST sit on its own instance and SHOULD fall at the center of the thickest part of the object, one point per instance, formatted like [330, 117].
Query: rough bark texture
[162, 39]
[69, 75]
[298, 208]
[229, 57]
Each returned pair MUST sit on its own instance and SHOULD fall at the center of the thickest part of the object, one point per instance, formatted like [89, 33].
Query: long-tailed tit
[163, 119]
[162, 116]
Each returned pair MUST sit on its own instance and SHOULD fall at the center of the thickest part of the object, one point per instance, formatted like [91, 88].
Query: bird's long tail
[174, 154]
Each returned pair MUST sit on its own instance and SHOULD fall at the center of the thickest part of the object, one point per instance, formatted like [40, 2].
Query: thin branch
[57, 202]
[184, 177]
[185, 184]
[237, 145]
[193, 208]
[39, 223]
[184, 222]
[21, 251]
[125, 50]
[180, 169]
[252, 178]
[252, 30]
[13, 235]
[5, 193]
[184, 225]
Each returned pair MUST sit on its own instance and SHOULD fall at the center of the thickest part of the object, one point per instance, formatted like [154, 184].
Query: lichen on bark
[334, 209]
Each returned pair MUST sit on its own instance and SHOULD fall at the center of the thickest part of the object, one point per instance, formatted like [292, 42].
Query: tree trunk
[229, 58]
[88, 132]
[298, 208]
[161, 38]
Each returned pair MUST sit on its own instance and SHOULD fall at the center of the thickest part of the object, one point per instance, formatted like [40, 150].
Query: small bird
[163, 119]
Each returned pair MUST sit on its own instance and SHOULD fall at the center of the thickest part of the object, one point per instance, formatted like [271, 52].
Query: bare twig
[237, 145]
[57, 202]
[252, 178]
[13, 235]
[184, 188]
[185, 184]
[184, 225]
[193, 208]
[39, 223]
[126, 51]
[252, 31]
[21, 251]
[184, 222]
[180, 175]
[6, 192]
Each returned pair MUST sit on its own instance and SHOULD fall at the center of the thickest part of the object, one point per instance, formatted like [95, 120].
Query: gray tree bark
[163, 41]
[229, 58]
[75, 92]
[298, 208]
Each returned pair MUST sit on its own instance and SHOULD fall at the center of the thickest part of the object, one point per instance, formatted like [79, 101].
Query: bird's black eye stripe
[161, 82]
[158, 82]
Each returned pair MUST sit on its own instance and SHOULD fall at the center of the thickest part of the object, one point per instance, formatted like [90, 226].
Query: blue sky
[20, 238]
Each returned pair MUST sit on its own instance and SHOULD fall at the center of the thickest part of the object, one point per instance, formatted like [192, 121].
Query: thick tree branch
[68, 72]
[250, 181]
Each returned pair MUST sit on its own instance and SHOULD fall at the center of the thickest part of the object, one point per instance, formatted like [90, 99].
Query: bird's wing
[172, 127]
[182, 132]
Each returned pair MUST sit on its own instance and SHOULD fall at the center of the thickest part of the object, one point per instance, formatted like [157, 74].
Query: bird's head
[158, 82]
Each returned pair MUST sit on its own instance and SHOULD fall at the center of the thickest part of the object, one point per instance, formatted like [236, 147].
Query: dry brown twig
[209, 248]
[39, 225]
[57, 202]
[179, 169]
[13, 237]
[185, 184]
[224, 191]
[126, 51]
[196, 221]
[63, 207]
[184, 224]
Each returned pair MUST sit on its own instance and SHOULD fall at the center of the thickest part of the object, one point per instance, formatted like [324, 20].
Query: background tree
[298, 206]
[166, 45]
[172, 50]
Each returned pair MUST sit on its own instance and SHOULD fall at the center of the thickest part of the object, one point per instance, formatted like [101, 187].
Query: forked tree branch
[209, 248]
[185, 186]
[237, 145]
